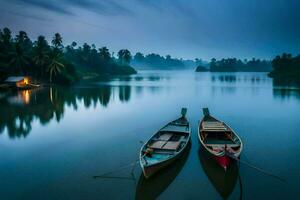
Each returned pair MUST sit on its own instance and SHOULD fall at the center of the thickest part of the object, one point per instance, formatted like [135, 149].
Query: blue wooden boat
[165, 146]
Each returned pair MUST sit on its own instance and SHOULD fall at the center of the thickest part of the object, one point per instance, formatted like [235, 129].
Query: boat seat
[227, 145]
[213, 141]
[158, 144]
[213, 126]
[175, 128]
[171, 145]
[165, 136]
[214, 129]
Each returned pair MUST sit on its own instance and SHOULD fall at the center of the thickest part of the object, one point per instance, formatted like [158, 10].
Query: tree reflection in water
[20, 108]
[124, 93]
[285, 89]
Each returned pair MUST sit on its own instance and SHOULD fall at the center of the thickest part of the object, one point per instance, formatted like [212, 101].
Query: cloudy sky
[182, 28]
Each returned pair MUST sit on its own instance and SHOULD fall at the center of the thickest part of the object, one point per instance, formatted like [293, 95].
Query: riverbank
[56, 63]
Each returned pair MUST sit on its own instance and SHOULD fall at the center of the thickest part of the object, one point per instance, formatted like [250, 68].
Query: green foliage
[90, 60]
[56, 63]
[18, 59]
[237, 65]
[57, 42]
[157, 61]
[286, 66]
[40, 58]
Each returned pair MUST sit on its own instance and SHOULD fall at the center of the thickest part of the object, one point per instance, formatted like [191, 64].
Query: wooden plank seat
[218, 145]
[158, 144]
[214, 141]
[171, 145]
[215, 129]
[213, 126]
[166, 145]
[175, 128]
[165, 136]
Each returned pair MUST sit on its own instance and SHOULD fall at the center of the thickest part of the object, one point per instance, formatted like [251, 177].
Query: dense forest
[54, 63]
[286, 66]
[156, 61]
[237, 65]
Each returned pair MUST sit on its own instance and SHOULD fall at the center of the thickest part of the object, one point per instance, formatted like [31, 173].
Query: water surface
[54, 140]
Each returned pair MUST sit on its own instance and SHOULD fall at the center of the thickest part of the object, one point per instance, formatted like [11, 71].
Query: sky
[182, 28]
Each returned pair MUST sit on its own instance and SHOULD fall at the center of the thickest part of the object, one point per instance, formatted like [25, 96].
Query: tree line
[238, 65]
[286, 66]
[282, 66]
[156, 61]
[54, 63]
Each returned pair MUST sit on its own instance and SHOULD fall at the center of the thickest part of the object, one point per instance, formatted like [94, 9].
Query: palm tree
[23, 40]
[40, 53]
[57, 41]
[5, 39]
[55, 66]
[18, 58]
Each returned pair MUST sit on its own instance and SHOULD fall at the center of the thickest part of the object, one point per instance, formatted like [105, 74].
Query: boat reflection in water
[151, 188]
[223, 181]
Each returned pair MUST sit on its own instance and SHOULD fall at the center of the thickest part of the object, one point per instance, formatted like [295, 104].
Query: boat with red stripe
[219, 140]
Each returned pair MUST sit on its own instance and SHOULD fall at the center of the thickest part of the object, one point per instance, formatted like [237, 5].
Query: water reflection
[223, 182]
[148, 76]
[231, 90]
[150, 189]
[285, 89]
[20, 108]
[253, 78]
[224, 78]
[124, 93]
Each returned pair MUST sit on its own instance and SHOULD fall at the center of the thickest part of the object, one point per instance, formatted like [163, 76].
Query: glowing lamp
[26, 81]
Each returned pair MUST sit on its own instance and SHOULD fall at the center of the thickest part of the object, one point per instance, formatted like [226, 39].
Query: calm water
[54, 140]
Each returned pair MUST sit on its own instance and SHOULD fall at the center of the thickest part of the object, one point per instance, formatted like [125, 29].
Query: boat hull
[151, 170]
[223, 161]
[165, 146]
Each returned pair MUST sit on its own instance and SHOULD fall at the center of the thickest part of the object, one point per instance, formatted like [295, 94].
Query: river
[54, 140]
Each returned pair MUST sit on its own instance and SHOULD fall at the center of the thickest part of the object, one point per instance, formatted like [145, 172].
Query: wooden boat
[165, 146]
[219, 139]
[152, 188]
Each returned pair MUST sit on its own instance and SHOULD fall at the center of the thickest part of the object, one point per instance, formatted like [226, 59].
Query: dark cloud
[50, 5]
[108, 7]
[26, 15]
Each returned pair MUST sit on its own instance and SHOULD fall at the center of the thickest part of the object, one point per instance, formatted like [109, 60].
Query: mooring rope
[254, 167]
[104, 175]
